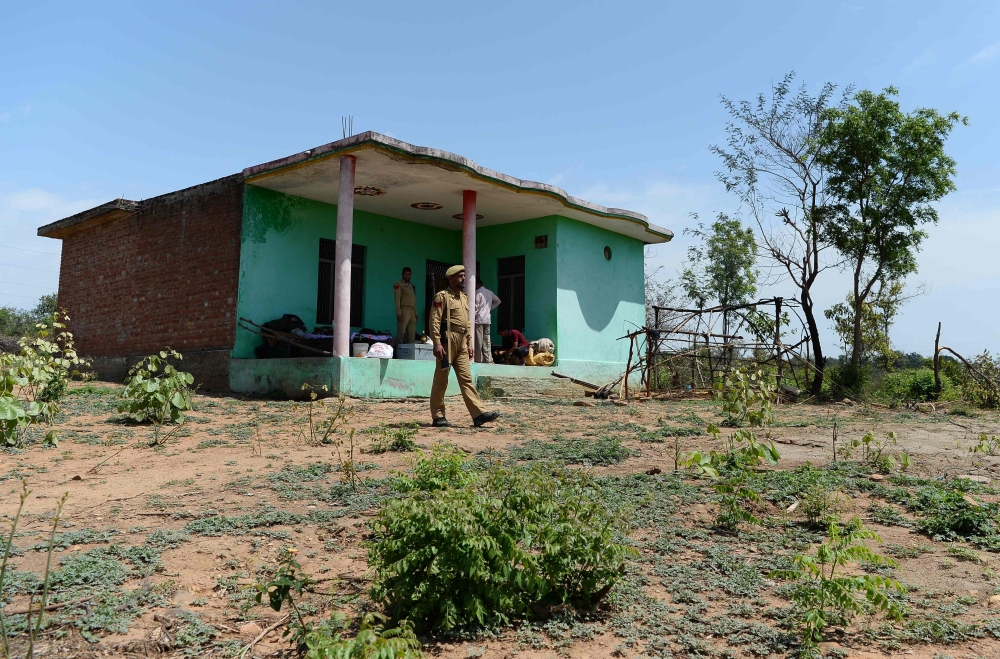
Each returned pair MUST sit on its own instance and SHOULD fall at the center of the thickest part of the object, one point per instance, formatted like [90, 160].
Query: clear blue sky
[615, 102]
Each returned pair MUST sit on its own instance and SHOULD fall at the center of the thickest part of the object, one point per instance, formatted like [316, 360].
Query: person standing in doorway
[406, 309]
[486, 302]
[451, 334]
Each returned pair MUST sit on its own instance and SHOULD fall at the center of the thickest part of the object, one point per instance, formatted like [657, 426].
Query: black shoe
[485, 417]
[441, 423]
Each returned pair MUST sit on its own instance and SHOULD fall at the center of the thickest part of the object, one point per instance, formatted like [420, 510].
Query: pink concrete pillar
[342, 259]
[469, 248]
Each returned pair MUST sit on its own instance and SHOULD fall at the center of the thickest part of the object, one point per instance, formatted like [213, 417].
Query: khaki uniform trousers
[484, 347]
[458, 356]
[406, 326]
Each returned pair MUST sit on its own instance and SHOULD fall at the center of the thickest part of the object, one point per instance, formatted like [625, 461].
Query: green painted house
[566, 269]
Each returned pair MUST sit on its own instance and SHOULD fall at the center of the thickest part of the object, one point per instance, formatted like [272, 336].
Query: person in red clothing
[518, 344]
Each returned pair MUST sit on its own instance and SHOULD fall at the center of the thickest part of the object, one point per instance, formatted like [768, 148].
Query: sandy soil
[218, 462]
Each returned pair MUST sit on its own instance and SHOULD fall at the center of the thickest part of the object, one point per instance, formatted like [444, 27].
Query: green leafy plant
[735, 502]
[445, 467]
[325, 640]
[607, 450]
[820, 505]
[373, 641]
[823, 594]
[874, 451]
[512, 543]
[745, 450]
[705, 464]
[747, 398]
[952, 515]
[987, 445]
[387, 439]
[157, 392]
[32, 380]
[288, 582]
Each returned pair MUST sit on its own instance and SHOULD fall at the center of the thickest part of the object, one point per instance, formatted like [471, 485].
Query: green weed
[600, 452]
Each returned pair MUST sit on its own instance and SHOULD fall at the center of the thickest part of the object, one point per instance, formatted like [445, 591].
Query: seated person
[515, 346]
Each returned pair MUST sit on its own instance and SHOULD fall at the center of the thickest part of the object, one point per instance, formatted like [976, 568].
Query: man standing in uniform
[406, 309]
[451, 334]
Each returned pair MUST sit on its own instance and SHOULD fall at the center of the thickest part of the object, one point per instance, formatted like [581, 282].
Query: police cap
[454, 270]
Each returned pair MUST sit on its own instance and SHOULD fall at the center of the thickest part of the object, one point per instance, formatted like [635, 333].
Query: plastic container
[359, 349]
[423, 351]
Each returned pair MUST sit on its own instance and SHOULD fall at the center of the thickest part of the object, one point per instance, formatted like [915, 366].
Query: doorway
[510, 285]
[435, 281]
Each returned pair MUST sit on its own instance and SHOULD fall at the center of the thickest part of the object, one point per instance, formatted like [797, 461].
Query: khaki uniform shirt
[405, 295]
[454, 307]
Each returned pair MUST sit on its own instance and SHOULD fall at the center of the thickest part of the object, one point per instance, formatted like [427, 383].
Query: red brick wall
[164, 276]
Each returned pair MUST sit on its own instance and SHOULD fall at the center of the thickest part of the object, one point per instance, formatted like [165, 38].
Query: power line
[28, 285]
[23, 249]
[11, 265]
[26, 297]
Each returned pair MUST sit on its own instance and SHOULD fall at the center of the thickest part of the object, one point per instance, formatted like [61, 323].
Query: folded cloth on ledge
[310, 335]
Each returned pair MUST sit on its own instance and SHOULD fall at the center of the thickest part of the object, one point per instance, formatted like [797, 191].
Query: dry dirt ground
[167, 541]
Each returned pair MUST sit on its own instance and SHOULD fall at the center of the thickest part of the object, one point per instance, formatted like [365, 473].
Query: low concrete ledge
[401, 378]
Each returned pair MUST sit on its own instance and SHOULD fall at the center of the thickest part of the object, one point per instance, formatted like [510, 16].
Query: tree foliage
[878, 314]
[16, 322]
[884, 168]
[772, 165]
[724, 267]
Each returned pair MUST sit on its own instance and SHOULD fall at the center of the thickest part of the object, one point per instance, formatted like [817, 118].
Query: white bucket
[359, 349]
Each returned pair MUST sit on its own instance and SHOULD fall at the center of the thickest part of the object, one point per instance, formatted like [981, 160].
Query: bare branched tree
[771, 165]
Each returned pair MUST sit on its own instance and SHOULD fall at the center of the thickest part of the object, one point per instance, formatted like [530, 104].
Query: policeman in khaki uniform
[406, 309]
[450, 316]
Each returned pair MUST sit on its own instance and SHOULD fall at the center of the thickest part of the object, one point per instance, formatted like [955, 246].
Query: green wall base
[385, 378]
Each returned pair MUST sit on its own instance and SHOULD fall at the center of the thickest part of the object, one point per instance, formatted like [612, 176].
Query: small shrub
[747, 399]
[820, 505]
[373, 640]
[157, 392]
[874, 451]
[387, 439]
[325, 640]
[735, 503]
[823, 597]
[987, 444]
[445, 467]
[911, 386]
[510, 544]
[34, 379]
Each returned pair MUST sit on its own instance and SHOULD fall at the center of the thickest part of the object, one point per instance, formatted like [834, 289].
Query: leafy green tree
[883, 170]
[724, 268]
[772, 165]
[878, 314]
[16, 322]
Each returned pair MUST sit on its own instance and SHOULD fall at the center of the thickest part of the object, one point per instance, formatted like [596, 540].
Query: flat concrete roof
[111, 210]
[402, 174]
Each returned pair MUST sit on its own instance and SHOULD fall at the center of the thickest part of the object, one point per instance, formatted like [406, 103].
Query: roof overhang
[411, 174]
[112, 210]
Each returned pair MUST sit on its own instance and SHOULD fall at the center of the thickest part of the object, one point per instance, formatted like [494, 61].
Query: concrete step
[514, 387]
